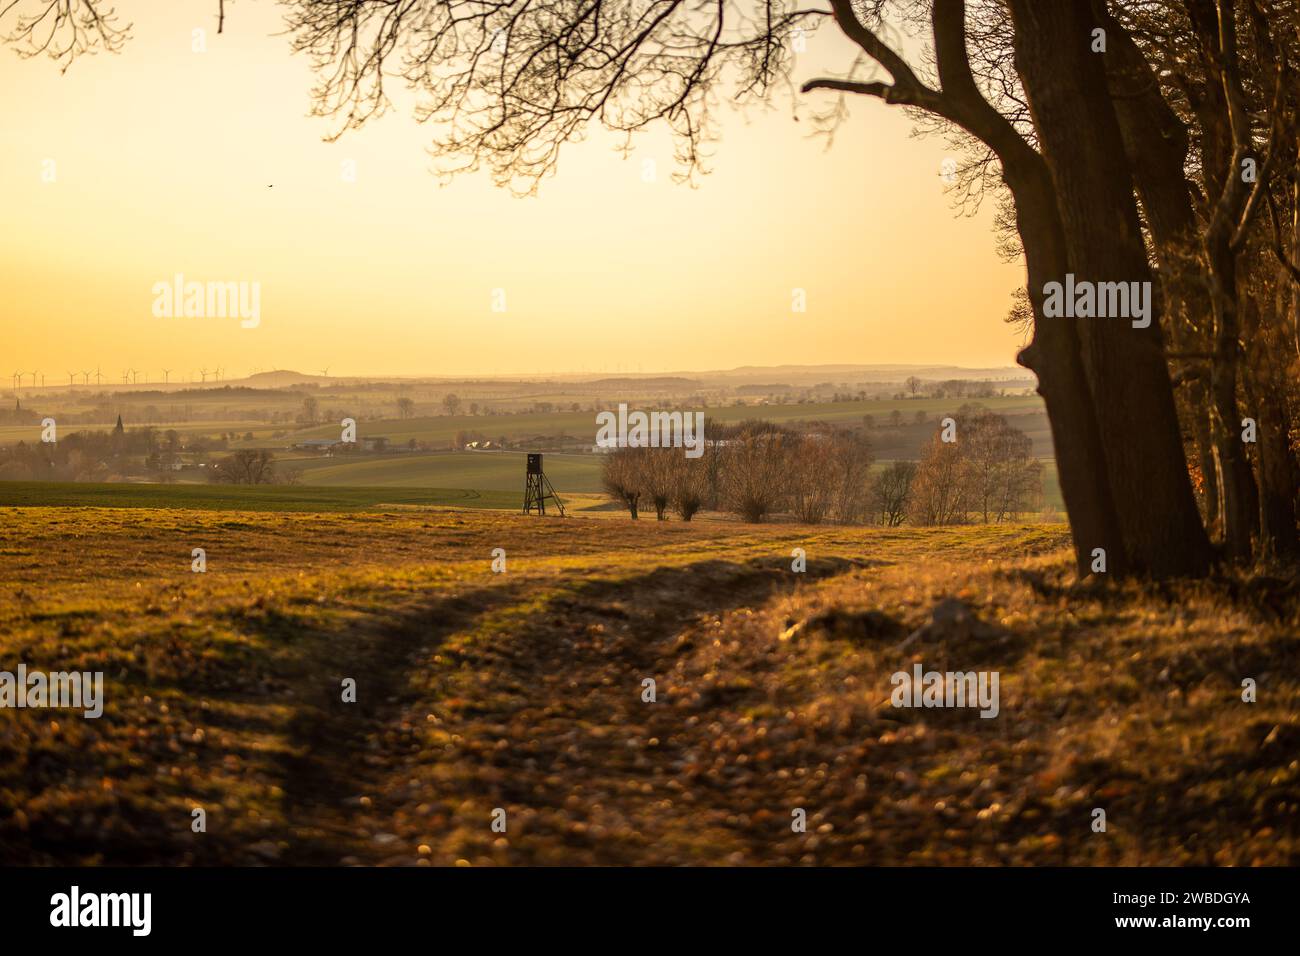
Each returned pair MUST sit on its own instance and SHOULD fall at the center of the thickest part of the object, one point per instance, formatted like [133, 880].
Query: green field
[32, 494]
[502, 472]
[494, 481]
[483, 471]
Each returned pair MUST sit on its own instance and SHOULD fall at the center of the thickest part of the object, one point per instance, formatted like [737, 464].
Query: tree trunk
[1199, 401]
[1053, 355]
[1266, 394]
[1124, 366]
[1238, 496]
[1156, 145]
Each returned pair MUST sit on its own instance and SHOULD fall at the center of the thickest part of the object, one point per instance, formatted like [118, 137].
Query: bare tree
[850, 475]
[657, 469]
[808, 475]
[621, 477]
[690, 489]
[64, 29]
[451, 402]
[891, 493]
[754, 473]
[248, 466]
[1001, 475]
[940, 493]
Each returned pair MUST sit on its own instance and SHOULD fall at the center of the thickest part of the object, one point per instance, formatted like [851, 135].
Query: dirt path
[539, 712]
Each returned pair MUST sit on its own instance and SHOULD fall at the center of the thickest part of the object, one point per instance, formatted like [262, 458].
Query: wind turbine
[166, 374]
[34, 374]
[126, 376]
[97, 375]
[71, 376]
[204, 373]
[17, 378]
[325, 372]
[85, 377]
[135, 376]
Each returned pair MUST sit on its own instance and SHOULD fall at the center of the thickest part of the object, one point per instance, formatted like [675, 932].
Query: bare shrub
[1003, 478]
[690, 484]
[808, 473]
[248, 466]
[621, 478]
[939, 492]
[851, 476]
[656, 468]
[891, 493]
[753, 473]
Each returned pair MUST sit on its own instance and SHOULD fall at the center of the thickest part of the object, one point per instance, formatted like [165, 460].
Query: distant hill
[647, 382]
[280, 378]
[805, 374]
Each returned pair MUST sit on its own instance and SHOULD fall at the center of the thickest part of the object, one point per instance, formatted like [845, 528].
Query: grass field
[488, 480]
[243, 497]
[501, 472]
[483, 471]
[524, 691]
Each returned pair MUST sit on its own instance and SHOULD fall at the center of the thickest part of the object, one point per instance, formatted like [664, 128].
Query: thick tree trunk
[1053, 356]
[1156, 145]
[1124, 366]
[1054, 352]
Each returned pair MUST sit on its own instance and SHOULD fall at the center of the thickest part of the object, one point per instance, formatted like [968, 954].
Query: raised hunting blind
[537, 488]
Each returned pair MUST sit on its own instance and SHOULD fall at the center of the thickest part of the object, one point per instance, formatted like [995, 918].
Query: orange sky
[163, 158]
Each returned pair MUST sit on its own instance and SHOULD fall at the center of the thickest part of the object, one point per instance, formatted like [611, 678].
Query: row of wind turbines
[130, 376]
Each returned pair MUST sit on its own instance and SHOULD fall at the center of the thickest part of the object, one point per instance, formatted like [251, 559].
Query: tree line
[757, 470]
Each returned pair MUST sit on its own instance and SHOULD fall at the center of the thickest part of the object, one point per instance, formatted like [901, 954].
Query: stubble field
[524, 691]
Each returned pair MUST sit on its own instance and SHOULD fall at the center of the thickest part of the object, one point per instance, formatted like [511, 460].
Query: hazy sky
[163, 158]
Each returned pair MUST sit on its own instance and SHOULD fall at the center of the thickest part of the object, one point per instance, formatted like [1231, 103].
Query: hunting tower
[537, 488]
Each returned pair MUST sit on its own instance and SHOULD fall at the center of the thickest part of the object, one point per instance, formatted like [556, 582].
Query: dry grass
[523, 691]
